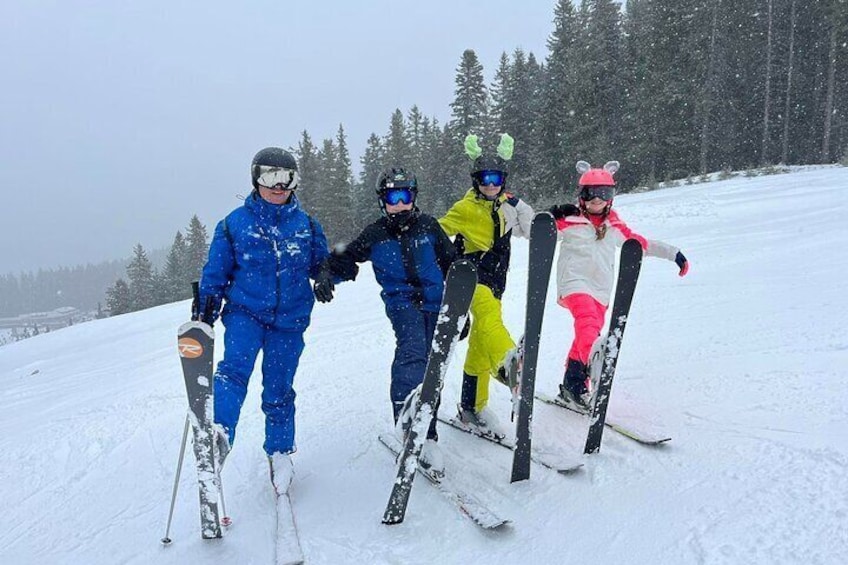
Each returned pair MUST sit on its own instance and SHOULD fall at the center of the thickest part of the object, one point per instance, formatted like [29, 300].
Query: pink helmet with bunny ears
[597, 177]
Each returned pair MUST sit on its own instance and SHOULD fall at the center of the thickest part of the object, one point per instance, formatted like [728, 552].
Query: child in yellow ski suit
[483, 222]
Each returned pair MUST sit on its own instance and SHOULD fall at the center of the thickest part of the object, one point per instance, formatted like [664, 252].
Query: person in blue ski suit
[410, 254]
[260, 261]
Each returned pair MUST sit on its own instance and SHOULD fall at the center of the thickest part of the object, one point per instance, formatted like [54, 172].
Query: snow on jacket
[261, 259]
[409, 264]
[586, 264]
[485, 227]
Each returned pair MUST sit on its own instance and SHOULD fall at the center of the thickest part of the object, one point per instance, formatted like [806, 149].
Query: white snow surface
[744, 363]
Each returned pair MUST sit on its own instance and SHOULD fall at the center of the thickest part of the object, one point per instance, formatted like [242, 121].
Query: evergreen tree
[470, 104]
[118, 299]
[416, 130]
[142, 280]
[372, 166]
[308, 168]
[197, 248]
[333, 201]
[554, 160]
[398, 150]
[175, 280]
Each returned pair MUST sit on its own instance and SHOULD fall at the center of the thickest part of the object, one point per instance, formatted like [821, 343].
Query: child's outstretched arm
[652, 247]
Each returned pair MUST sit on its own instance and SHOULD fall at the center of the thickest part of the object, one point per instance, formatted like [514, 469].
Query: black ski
[552, 461]
[628, 275]
[542, 246]
[459, 289]
[628, 430]
[465, 502]
[196, 341]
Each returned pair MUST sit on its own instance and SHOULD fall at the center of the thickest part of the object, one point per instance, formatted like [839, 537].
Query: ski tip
[495, 524]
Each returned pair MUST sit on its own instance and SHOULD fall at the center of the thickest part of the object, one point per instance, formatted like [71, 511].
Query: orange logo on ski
[190, 348]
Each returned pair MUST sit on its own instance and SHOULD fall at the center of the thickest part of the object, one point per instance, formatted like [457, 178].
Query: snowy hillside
[744, 363]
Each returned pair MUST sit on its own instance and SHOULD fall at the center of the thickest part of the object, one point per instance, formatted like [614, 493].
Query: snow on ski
[460, 282]
[465, 502]
[630, 263]
[626, 429]
[196, 341]
[287, 547]
[553, 461]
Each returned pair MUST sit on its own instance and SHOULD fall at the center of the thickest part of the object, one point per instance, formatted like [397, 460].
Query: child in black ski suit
[410, 254]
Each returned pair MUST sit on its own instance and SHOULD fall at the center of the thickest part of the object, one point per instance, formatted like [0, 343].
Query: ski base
[553, 461]
[466, 503]
[287, 547]
[640, 436]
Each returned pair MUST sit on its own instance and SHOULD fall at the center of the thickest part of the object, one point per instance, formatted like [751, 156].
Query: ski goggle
[277, 177]
[605, 193]
[401, 195]
[494, 178]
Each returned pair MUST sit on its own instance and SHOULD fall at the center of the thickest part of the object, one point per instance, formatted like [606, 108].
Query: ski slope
[744, 363]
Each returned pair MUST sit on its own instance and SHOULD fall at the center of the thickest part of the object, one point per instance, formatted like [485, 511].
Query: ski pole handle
[195, 301]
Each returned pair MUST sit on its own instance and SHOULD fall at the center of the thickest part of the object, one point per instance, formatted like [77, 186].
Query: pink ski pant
[589, 317]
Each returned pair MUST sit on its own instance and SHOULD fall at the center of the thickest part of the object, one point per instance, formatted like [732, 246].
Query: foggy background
[121, 120]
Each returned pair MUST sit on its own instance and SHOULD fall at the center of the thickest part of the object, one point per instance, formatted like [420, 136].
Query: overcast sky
[119, 120]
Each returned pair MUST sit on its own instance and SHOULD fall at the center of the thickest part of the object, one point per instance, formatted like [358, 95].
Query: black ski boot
[574, 390]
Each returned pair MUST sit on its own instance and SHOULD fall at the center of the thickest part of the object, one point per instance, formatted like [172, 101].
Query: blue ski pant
[243, 339]
[413, 337]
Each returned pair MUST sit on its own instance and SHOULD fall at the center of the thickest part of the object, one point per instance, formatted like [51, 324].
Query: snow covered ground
[744, 363]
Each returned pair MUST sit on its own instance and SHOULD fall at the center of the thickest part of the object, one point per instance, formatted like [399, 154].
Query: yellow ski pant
[488, 343]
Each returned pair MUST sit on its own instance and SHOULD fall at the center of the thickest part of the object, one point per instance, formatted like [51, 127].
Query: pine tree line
[82, 286]
[671, 88]
[145, 286]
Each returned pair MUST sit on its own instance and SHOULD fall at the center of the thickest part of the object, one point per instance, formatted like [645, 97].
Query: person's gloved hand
[681, 261]
[564, 210]
[208, 310]
[323, 287]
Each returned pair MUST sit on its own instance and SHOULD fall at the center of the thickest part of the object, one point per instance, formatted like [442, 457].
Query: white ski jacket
[586, 264]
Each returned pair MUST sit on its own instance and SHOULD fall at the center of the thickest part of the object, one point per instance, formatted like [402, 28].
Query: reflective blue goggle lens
[395, 196]
[494, 178]
[602, 192]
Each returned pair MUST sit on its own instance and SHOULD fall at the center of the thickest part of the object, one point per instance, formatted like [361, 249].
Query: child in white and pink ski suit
[589, 235]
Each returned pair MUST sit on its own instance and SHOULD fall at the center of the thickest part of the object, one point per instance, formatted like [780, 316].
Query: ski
[630, 431]
[195, 342]
[553, 461]
[629, 266]
[287, 547]
[543, 237]
[466, 503]
[460, 282]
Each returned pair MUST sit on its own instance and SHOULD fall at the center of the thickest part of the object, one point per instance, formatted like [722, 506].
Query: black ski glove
[681, 261]
[564, 210]
[324, 286]
[209, 313]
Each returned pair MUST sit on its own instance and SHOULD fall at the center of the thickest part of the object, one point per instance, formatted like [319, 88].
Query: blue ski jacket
[261, 259]
[409, 261]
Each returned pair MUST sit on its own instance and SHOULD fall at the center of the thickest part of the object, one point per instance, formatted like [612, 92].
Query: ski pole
[166, 540]
[225, 520]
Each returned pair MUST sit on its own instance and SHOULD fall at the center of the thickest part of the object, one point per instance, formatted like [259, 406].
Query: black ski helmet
[272, 157]
[488, 163]
[396, 177]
